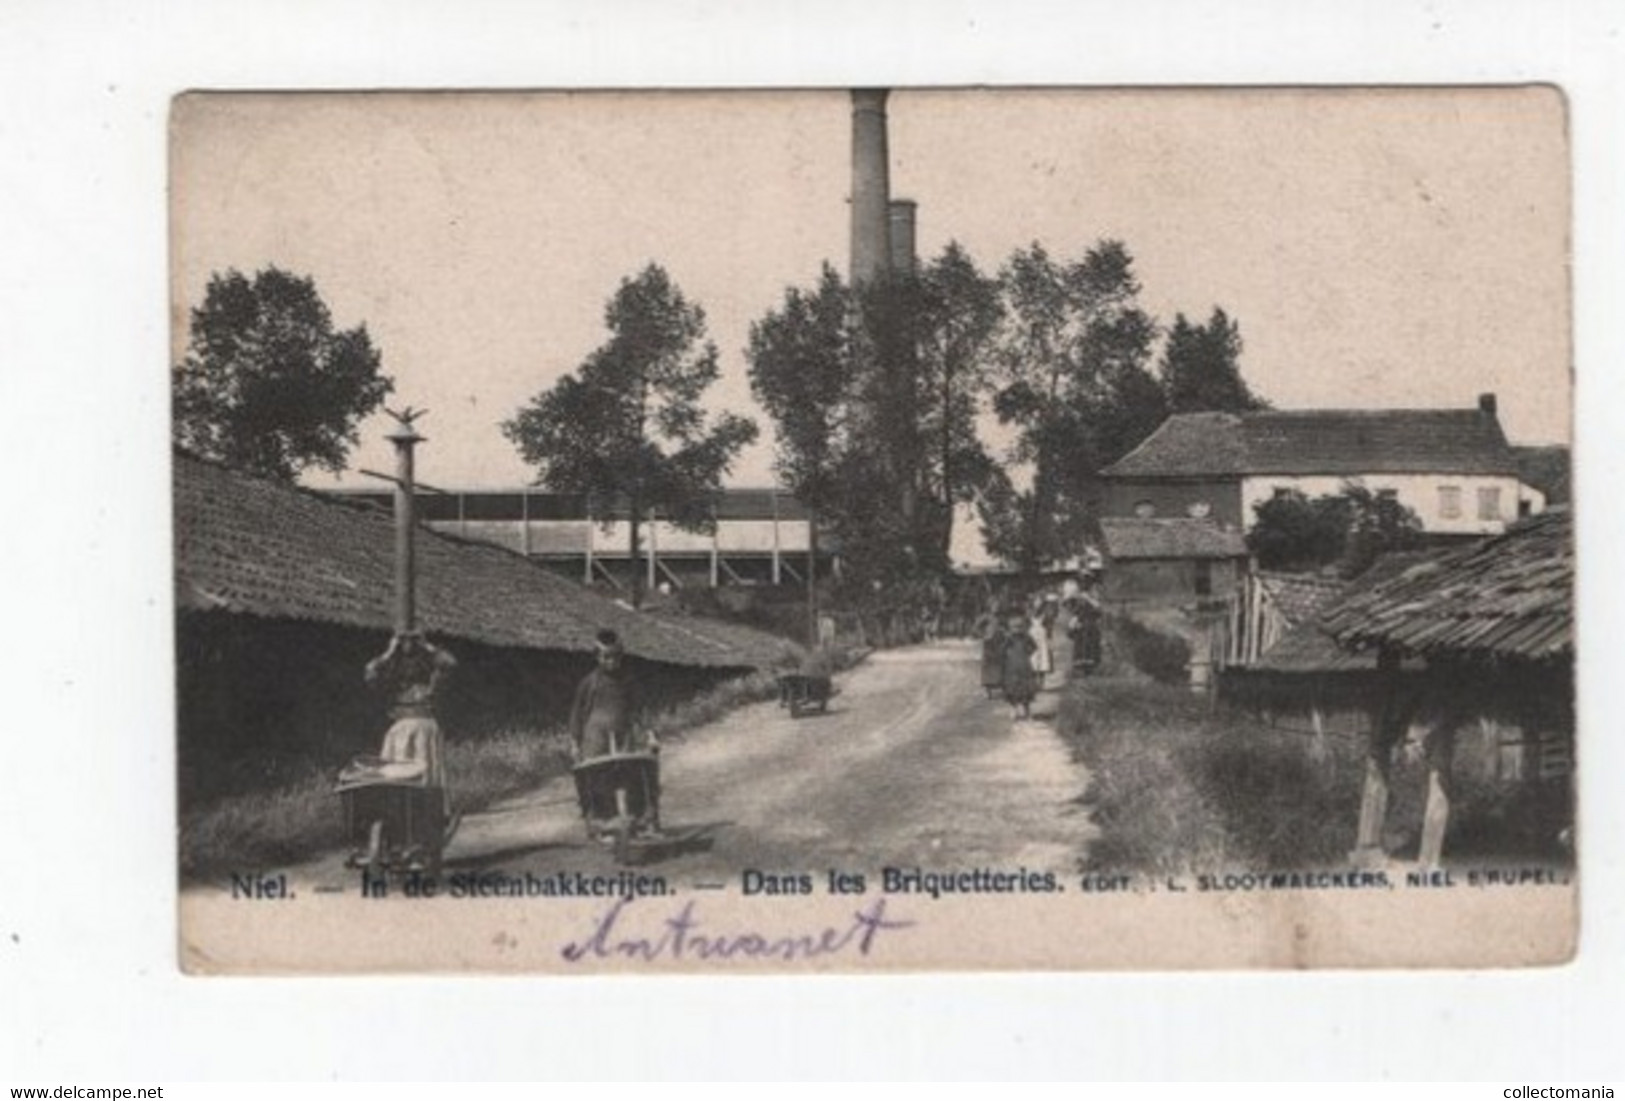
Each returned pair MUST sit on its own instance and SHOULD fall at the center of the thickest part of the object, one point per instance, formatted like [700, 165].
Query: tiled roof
[1509, 596]
[1298, 596]
[1547, 469]
[1169, 537]
[1308, 647]
[1334, 442]
[261, 548]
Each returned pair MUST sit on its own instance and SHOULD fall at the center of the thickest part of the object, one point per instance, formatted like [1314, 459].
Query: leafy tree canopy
[1073, 382]
[803, 373]
[267, 385]
[1201, 367]
[630, 425]
[1345, 531]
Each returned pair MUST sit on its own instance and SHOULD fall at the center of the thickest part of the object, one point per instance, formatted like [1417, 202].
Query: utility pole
[405, 437]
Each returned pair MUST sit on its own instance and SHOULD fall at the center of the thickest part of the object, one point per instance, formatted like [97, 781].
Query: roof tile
[1510, 595]
[1322, 441]
[261, 548]
[1169, 537]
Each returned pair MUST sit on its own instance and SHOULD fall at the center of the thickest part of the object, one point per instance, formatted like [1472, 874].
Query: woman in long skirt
[1043, 661]
[993, 638]
[1019, 681]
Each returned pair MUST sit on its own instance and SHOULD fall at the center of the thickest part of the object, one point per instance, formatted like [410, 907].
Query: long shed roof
[1321, 441]
[261, 548]
[1508, 596]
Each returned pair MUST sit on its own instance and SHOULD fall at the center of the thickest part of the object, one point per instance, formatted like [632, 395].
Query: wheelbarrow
[620, 800]
[801, 692]
[395, 823]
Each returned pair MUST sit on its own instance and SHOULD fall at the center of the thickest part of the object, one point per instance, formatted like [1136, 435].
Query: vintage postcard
[873, 529]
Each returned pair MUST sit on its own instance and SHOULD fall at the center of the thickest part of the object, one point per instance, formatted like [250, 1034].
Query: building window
[1489, 503]
[1450, 502]
[1199, 510]
[1388, 495]
[1204, 577]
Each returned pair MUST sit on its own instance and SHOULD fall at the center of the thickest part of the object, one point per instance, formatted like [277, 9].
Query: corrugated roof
[1323, 441]
[1130, 537]
[1511, 596]
[265, 549]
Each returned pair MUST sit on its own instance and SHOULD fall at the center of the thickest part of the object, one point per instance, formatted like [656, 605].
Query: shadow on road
[486, 859]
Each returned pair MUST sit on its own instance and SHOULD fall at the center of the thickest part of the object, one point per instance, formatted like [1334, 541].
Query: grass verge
[1177, 787]
[301, 819]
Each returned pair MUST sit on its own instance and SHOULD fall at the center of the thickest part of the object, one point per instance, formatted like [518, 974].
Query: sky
[1379, 248]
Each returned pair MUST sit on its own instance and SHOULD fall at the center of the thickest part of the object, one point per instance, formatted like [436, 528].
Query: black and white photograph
[778, 529]
[861, 540]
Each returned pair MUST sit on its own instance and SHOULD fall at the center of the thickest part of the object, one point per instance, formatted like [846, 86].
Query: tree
[961, 310]
[803, 373]
[1074, 383]
[629, 425]
[267, 385]
[1347, 531]
[875, 394]
[887, 527]
[1201, 367]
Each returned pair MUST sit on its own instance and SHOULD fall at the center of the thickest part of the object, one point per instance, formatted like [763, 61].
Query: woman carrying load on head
[412, 671]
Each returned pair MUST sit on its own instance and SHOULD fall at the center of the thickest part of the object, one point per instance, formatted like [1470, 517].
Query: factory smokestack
[871, 186]
[900, 227]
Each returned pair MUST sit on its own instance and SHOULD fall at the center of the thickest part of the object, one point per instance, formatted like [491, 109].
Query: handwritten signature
[679, 936]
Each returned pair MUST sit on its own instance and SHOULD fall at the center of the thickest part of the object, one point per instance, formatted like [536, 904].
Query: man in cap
[606, 705]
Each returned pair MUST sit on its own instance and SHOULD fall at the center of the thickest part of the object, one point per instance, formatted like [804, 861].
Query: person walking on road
[1019, 679]
[990, 629]
[606, 705]
[1043, 660]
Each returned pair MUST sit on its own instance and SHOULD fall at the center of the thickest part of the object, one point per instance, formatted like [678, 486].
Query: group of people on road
[1018, 651]
[411, 674]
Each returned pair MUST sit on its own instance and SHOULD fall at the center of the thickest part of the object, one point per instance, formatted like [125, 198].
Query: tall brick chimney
[871, 186]
[900, 226]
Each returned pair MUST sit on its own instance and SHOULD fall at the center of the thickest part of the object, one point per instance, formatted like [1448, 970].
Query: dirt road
[912, 766]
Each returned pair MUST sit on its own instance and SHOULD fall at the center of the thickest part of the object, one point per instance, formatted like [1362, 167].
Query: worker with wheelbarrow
[617, 768]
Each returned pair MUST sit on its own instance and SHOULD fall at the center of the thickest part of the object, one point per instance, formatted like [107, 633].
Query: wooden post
[524, 522]
[653, 519]
[1318, 750]
[404, 437]
[774, 497]
[813, 631]
[591, 527]
[1373, 806]
[1440, 749]
[716, 552]
[1389, 724]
